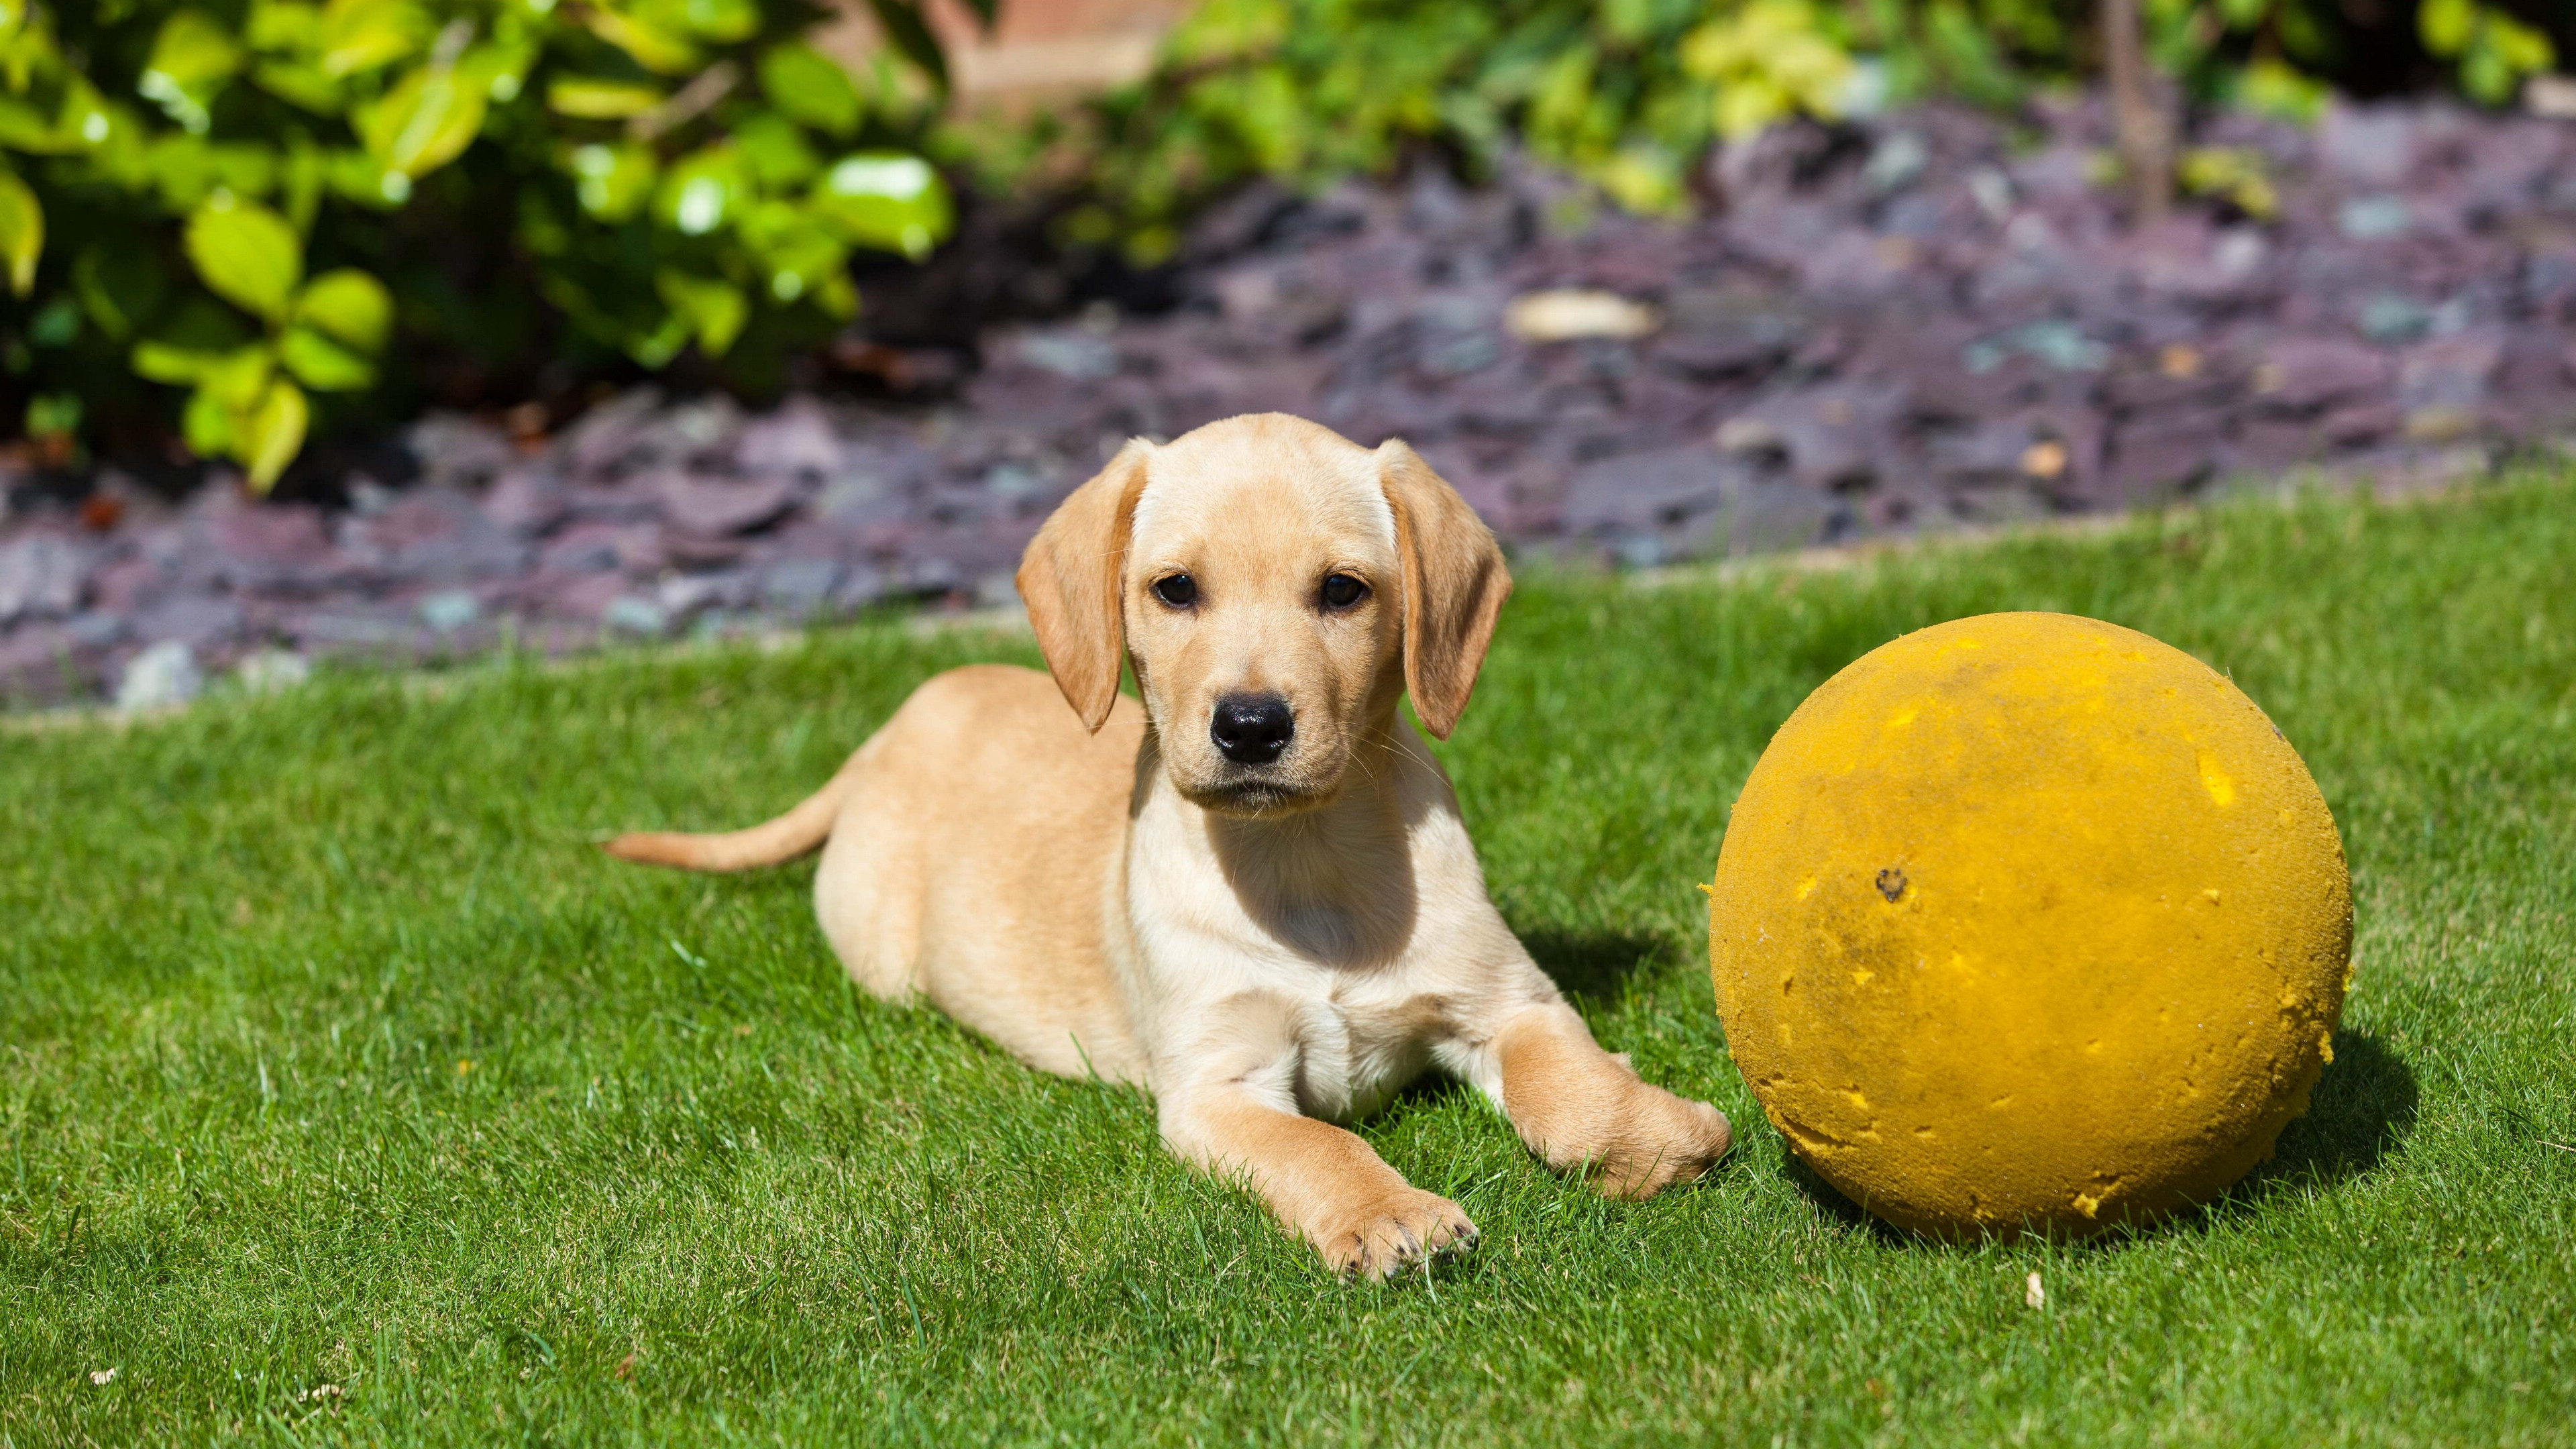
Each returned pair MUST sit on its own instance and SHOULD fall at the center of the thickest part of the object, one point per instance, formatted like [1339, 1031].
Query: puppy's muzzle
[1252, 729]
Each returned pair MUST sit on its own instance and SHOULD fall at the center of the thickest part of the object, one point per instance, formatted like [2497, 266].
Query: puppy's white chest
[1354, 1054]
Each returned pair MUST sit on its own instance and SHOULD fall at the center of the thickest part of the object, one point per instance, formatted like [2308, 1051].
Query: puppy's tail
[790, 835]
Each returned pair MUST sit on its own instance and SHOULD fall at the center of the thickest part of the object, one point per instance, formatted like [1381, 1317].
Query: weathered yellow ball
[2028, 921]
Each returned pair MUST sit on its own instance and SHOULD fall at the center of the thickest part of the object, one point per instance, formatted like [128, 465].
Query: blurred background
[414, 328]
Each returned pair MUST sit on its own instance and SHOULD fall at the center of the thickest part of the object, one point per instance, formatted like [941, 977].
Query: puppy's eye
[1180, 590]
[1341, 591]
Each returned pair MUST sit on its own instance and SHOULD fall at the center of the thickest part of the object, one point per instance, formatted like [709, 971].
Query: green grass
[347, 1095]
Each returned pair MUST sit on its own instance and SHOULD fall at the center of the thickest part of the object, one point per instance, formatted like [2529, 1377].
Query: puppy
[1251, 894]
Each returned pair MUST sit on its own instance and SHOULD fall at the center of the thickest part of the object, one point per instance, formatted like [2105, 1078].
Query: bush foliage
[230, 212]
[231, 220]
[1630, 92]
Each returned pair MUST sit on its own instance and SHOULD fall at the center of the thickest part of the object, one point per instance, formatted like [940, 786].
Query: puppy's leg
[1236, 1112]
[1577, 1105]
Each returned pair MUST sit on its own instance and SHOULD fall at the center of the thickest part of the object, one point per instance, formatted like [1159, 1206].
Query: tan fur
[788, 836]
[1454, 587]
[1267, 949]
[1069, 580]
[1578, 1106]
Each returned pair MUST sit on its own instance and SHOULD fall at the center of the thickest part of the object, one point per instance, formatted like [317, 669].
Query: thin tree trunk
[2146, 136]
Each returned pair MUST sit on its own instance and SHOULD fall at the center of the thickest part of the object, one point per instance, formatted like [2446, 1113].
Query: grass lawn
[347, 1095]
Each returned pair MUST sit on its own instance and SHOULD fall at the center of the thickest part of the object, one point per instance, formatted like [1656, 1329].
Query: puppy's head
[1275, 587]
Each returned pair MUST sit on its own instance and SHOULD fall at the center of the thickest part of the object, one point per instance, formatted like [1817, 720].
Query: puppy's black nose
[1251, 729]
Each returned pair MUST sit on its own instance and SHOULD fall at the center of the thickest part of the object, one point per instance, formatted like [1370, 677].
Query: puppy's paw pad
[1388, 1234]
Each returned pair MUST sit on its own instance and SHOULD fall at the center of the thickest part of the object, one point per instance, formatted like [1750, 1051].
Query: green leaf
[193, 48]
[112, 134]
[885, 199]
[192, 56]
[283, 25]
[776, 151]
[2270, 87]
[207, 425]
[2445, 25]
[182, 170]
[600, 100]
[904, 27]
[809, 86]
[1645, 179]
[702, 190]
[267, 438]
[350, 305]
[247, 254]
[22, 232]
[804, 262]
[164, 362]
[715, 310]
[24, 129]
[365, 180]
[301, 177]
[240, 378]
[424, 121]
[56, 414]
[612, 181]
[364, 35]
[244, 168]
[302, 85]
[836, 295]
[650, 46]
[722, 21]
[2524, 50]
[322, 364]
[2485, 77]
[656, 348]
[499, 67]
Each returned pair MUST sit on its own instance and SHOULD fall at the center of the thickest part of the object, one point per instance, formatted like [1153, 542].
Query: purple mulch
[1927, 320]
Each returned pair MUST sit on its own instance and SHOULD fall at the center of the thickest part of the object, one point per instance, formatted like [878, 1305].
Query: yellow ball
[2030, 921]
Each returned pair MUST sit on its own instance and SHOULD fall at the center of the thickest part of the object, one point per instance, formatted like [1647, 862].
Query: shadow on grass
[2363, 1107]
[1592, 967]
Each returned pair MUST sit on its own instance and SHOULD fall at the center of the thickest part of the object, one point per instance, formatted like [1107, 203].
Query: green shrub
[2495, 53]
[235, 212]
[1629, 93]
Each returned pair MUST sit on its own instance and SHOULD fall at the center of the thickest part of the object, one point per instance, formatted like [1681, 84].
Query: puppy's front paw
[1672, 1140]
[1386, 1232]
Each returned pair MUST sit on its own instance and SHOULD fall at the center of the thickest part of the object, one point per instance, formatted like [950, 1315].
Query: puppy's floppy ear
[1071, 578]
[1454, 586]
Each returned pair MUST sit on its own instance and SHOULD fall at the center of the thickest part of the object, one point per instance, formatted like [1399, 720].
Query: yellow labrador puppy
[1253, 894]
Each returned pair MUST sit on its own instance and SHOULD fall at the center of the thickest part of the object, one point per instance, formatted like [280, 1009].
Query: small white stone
[1748, 435]
[165, 674]
[1565, 314]
[2553, 96]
